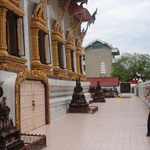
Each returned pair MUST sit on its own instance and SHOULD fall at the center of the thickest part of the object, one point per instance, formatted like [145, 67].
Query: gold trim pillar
[68, 57]
[3, 44]
[55, 54]
[78, 63]
[35, 46]
[19, 36]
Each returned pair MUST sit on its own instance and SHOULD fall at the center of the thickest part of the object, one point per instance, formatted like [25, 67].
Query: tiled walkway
[119, 124]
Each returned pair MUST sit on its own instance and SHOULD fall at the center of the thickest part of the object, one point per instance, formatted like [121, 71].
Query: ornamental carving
[57, 36]
[38, 22]
[8, 61]
[81, 36]
[12, 5]
[32, 75]
[39, 13]
[72, 31]
[57, 29]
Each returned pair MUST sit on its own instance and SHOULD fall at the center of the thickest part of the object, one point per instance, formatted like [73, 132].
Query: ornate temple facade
[40, 57]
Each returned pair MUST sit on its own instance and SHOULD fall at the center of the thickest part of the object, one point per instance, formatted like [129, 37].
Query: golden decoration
[8, 61]
[57, 29]
[32, 75]
[70, 45]
[38, 22]
[3, 44]
[81, 36]
[19, 36]
[72, 31]
[12, 5]
[57, 36]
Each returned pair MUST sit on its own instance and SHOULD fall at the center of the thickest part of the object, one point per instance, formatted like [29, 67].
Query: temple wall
[61, 86]
[61, 94]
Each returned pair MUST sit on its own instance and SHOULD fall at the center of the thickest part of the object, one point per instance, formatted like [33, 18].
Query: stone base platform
[99, 100]
[90, 110]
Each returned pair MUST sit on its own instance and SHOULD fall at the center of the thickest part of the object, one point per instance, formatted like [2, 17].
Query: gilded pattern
[3, 45]
[12, 5]
[38, 22]
[8, 61]
[35, 75]
[57, 36]
[79, 50]
[70, 45]
[19, 39]
[55, 54]
[78, 63]
[35, 46]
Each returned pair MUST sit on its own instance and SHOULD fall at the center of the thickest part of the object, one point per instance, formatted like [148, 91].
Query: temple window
[60, 55]
[72, 61]
[83, 57]
[42, 47]
[80, 61]
[84, 67]
[102, 69]
[12, 39]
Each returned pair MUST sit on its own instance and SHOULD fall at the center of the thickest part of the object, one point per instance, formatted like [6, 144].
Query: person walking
[147, 96]
[148, 125]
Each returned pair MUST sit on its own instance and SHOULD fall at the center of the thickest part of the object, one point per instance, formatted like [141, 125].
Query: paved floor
[119, 124]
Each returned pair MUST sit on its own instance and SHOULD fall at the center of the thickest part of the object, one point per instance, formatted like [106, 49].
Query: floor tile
[119, 124]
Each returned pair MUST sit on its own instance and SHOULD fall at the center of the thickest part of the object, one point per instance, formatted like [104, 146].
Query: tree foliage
[129, 66]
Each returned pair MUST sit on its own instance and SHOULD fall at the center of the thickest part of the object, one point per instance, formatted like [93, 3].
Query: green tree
[129, 66]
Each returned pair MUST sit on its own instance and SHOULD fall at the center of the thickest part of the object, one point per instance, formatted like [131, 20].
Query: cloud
[124, 24]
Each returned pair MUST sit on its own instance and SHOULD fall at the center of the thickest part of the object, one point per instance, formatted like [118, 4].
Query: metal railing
[141, 91]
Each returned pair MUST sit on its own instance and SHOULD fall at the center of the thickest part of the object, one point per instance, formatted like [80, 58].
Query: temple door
[32, 105]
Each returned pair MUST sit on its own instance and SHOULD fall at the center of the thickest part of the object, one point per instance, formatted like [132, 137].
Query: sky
[124, 24]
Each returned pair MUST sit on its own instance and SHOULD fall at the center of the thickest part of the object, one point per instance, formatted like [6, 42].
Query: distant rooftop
[115, 50]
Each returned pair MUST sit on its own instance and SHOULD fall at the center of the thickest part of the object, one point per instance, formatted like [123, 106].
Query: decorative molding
[3, 43]
[72, 31]
[8, 61]
[19, 36]
[38, 22]
[57, 36]
[57, 29]
[12, 5]
[70, 45]
[58, 24]
[12, 66]
[82, 35]
[32, 75]
[78, 63]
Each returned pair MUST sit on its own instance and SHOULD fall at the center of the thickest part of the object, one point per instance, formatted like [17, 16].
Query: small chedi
[9, 135]
[99, 95]
[78, 103]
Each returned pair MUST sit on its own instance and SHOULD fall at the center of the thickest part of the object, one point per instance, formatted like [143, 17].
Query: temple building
[40, 57]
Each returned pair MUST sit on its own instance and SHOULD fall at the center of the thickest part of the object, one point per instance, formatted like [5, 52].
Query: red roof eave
[78, 10]
[104, 81]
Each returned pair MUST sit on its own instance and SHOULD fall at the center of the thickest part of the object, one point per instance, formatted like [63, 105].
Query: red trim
[78, 10]
[104, 81]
